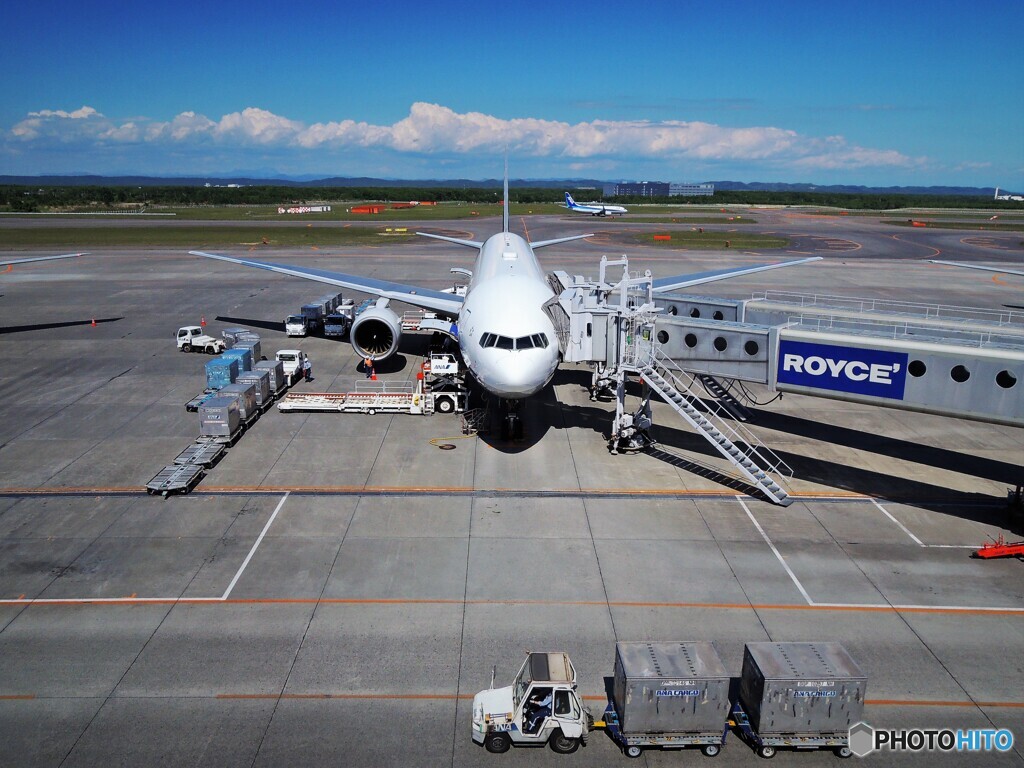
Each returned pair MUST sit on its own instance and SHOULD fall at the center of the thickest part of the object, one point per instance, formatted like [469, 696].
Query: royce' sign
[874, 372]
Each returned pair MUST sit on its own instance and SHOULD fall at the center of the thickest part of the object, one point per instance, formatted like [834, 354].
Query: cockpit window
[538, 340]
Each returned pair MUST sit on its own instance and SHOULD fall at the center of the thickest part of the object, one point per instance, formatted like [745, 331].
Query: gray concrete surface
[355, 627]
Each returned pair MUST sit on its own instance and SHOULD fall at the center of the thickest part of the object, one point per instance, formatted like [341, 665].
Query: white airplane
[40, 258]
[594, 209]
[1002, 270]
[507, 340]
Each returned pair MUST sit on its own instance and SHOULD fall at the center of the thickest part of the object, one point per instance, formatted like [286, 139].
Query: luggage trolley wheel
[711, 750]
[767, 752]
[633, 751]
[843, 752]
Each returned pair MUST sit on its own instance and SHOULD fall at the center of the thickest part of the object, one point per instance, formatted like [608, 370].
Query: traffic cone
[93, 323]
[202, 321]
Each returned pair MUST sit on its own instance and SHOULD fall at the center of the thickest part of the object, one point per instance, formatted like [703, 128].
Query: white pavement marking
[255, 546]
[222, 598]
[890, 606]
[917, 540]
[777, 554]
[901, 525]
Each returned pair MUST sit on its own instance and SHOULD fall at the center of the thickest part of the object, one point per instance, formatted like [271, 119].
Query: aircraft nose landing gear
[511, 420]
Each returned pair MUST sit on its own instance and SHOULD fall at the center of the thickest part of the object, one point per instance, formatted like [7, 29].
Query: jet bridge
[944, 360]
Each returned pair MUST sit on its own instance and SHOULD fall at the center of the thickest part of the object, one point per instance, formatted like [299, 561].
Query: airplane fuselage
[507, 340]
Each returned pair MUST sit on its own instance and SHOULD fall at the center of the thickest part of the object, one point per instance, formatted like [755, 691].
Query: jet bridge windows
[535, 340]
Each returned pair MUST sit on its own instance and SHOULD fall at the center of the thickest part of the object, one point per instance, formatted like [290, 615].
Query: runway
[337, 589]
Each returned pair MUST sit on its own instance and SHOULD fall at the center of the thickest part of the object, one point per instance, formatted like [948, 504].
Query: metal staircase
[743, 450]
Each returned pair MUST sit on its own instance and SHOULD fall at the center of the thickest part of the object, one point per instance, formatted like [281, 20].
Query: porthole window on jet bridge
[917, 368]
[960, 374]
[751, 347]
[691, 340]
[718, 314]
[1005, 379]
[672, 309]
[721, 343]
[662, 337]
[694, 312]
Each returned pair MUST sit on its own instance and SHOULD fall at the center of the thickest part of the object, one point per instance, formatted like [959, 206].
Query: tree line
[23, 198]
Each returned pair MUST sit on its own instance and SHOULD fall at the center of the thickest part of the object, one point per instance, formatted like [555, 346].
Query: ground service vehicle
[296, 325]
[192, 338]
[542, 706]
[338, 321]
[292, 361]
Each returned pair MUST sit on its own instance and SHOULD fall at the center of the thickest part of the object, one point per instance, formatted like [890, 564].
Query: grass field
[695, 221]
[195, 237]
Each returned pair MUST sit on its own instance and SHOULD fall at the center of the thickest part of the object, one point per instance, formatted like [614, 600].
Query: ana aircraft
[594, 209]
[506, 338]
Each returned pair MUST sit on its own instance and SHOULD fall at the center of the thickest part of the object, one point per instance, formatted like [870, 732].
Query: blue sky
[856, 92]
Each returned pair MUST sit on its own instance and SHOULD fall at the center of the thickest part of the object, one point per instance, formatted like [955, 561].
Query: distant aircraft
[40, 258]
[594, 209]
[1001, 270]
[1015, 198]
[506, 337]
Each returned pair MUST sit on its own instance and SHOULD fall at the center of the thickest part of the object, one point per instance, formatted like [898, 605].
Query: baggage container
[230, 335]
[246, 395]
[221, 371]
[261, 382]
[219, 417]
[275, 370]
[244, 356]
[670, 688]
[247, 342]
[802, 689]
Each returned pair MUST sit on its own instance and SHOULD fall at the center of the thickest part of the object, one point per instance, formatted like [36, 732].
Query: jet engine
[375, 333]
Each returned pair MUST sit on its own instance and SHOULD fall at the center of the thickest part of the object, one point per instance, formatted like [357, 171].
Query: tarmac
[337, 588]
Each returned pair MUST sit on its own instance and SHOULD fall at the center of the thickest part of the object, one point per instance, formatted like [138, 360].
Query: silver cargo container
[219, 417]
[251, 344]
[261, 381]
[246, 394]
[806, 689]
[275, 368]
[677, 687]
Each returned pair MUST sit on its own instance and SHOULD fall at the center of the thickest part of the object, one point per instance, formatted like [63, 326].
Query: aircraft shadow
[966, 505]
[48, 326]
[267, 325]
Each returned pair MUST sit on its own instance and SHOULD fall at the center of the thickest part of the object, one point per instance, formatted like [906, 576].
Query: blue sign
[873, 372]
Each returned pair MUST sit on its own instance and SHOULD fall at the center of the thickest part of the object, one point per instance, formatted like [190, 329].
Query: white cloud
[433, 129]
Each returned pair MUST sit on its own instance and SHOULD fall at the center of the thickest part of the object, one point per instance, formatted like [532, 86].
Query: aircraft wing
[437, 301]
[663, 284]
[979, 266]
[557, 240]
[40, 258]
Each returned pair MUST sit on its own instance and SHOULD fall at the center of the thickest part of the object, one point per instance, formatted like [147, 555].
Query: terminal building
[660, 189]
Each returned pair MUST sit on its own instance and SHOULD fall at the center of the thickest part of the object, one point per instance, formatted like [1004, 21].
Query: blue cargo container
[243, 355]
[221, 371]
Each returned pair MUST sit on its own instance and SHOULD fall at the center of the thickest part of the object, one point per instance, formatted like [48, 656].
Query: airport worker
[307, 369]
[368, 366]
